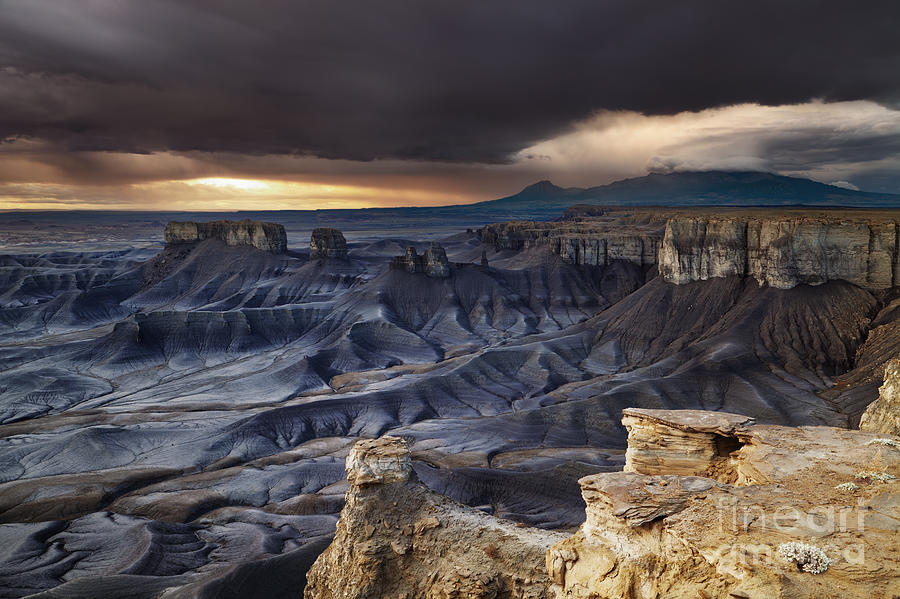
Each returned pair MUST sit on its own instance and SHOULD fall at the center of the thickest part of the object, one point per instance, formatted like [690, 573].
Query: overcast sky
[212, 104]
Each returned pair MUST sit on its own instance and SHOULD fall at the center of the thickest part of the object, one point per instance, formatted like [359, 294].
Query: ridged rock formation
[780, 248]
[582, 242]
[783, 252]
[327, 243]
[714, 528]
[396, 538]
[883, 415]
[684, 442]
[269, 237]
[433, 262]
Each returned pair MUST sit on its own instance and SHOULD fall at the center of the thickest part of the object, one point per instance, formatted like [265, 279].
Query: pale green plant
[871, 475]
[884, 442]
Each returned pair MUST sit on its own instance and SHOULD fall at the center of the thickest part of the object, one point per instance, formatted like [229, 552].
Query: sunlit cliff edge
[703, 506]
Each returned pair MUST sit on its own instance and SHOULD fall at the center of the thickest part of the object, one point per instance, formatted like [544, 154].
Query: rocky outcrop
[683, 442]
[379, 461]
[396, 538]
[883, 415]
[588, 242]
[269, 237]
[327, 243]
[710, 505]
[436, 263]
[433, 262]
[783, 252]
[703, 531]
[780, 248]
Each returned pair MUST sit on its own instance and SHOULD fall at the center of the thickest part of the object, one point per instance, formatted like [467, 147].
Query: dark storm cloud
[458, 81]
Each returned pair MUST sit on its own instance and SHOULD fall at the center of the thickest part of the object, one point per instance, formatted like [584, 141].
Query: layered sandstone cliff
[883, 415]
[270, 237]
[781, 248]
[783, 252]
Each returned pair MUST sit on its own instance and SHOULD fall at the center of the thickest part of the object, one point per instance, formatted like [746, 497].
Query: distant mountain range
[726, 188]
[540, 201]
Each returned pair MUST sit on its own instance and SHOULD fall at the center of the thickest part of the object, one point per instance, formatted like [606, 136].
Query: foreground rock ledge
[706, 500]
[396, 538]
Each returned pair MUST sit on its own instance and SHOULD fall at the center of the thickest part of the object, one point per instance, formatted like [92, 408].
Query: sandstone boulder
[378, 461]
[685, 442]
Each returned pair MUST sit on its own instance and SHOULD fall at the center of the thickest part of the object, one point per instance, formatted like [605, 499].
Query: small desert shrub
[870, 475]
[491, 551]
[808, 557]
[847, 487]
[884, 442]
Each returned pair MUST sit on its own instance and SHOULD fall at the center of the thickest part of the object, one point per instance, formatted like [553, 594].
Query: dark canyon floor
[175, 419]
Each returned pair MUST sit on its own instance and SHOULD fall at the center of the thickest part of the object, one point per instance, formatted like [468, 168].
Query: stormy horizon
[215, 106]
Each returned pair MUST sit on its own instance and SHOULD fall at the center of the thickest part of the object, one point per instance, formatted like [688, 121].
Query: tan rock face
[378, 461]
[684, 442]
[652, 534]
[782, 252]
[269, 237]
[883, 415]
[396, 538]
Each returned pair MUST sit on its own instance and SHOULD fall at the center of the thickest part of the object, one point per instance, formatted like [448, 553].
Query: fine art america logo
[802, 531]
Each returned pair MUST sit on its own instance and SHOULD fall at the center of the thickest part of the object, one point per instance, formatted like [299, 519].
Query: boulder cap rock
[379, 461]
[700, 421]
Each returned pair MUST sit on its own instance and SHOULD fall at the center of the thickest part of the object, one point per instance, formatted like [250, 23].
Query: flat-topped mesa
[269, 237]
[883, 414]
[783, 252]
[326, 242]
[675, 525]
[433, 262]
